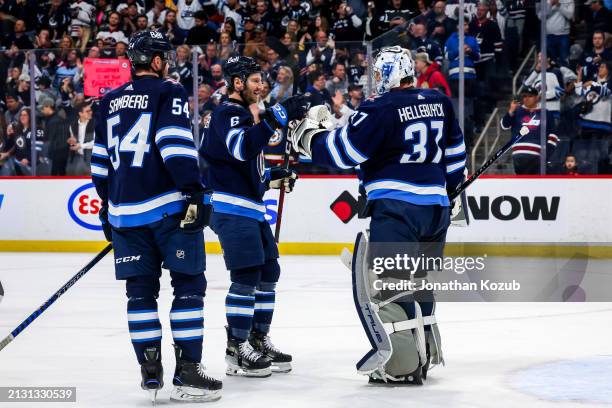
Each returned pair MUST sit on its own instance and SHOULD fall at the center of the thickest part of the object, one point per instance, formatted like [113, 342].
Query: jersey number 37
[418, 134]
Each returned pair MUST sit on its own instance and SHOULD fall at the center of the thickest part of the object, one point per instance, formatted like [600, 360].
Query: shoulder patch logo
[419, 96]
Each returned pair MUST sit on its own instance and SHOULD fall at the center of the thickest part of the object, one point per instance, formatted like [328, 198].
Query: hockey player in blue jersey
[145, 168]
[411, 152]
[233, 149]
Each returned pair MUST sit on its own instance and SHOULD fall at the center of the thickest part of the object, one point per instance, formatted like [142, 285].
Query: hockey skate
[281, 362]
[191, 384]
[152, 372]
[242, 360]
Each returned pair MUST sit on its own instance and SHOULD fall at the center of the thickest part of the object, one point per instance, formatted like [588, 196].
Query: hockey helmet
[146, 44]
[391, 66]
[239, 67]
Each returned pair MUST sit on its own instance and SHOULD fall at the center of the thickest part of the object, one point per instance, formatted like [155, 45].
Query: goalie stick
[54, 297]
[463, 186]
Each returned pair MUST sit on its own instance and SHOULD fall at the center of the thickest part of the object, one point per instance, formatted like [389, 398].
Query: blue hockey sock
[265, 296]
[187, 323]
[144, 325]
[239, 307]
[264, 306]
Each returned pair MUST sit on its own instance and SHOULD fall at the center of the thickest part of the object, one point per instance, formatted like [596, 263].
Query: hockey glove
[318, 119]
[106, 227]
[280, 177]
[197, 214]
[279, 115]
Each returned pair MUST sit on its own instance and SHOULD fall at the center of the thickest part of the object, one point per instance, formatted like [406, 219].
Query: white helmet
[391, 66]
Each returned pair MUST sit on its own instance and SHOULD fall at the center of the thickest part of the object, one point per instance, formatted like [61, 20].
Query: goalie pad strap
[408, 324]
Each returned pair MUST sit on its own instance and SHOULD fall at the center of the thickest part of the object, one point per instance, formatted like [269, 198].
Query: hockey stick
[281, 197]
[54, 297]
[463, 186]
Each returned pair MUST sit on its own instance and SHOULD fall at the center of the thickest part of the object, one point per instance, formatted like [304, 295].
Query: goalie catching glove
[197, 214]
[280, 177]
[318, 119]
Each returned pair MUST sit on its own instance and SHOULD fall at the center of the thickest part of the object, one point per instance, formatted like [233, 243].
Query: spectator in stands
[23, 88]
[591, 60]
[82, 14]
[142, 23]
[517, 11]
[490, 44]
[172, 30]
[233, 12]
[320, 95]
[347, 25]
[600, 19]
[13, 108]
[524, 119]
[113, 29]
[186, 11]
[554, 85]
[7, 149]
[355, 96]
[216, 80]
[80, 142]
[429, 75]
[283, 87]
[121, 50]
[570, 165]
[184, 68]
[201, 33]
[322, 52]
[421, 43]
[205, 102]
[338, 81]
[596, 109]
[55, 17]
[22, 152]
[558, 21]
[439, 25]
[56, 133]
[227, 47]
[157, 14]
[18, 38]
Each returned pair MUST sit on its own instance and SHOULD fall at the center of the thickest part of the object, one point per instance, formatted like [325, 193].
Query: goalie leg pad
[398, 342]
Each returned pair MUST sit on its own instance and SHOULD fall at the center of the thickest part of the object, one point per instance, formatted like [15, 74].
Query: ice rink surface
[497, 354]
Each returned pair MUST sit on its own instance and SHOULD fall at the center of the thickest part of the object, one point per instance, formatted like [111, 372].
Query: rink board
[60, 214]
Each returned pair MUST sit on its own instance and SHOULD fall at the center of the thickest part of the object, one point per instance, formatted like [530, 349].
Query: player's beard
[249, 96]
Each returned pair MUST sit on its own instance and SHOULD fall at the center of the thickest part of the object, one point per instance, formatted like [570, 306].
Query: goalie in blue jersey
[145, 168]
[411, 152]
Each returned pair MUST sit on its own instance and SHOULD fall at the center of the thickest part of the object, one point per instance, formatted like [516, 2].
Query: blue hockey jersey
[233, 151]
[144, 157]
[407, 142]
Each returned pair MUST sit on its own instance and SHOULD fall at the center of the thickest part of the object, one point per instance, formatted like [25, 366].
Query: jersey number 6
[419, 133]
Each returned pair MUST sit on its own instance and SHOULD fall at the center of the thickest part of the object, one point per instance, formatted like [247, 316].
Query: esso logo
[84, 206]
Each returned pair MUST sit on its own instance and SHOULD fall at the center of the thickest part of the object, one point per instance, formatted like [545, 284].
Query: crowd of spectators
[316, 46]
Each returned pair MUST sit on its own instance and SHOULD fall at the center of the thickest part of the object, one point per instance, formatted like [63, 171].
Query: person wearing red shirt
[429, 75]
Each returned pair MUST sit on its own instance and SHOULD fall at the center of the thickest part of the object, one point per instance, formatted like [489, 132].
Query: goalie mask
[391, 66]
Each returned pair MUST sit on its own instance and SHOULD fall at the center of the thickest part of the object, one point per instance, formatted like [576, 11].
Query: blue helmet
[145, 45]
[239, 67]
